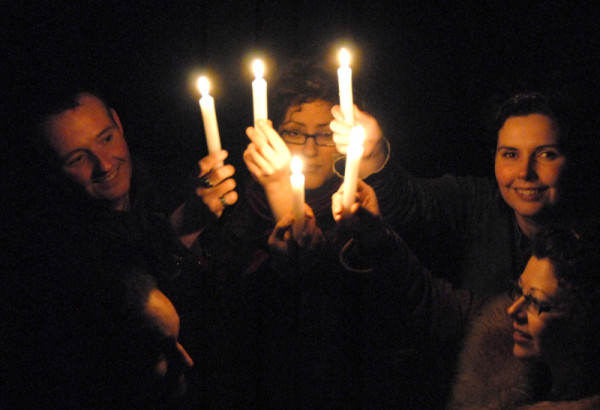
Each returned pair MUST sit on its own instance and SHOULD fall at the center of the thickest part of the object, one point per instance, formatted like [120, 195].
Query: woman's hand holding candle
[361, 233]
[268, 160]
[282, 240]
[374, 145]
[266, 155]
[365, 199]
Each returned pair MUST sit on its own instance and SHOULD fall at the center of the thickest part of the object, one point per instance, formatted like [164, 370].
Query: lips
[520, 336]
[108, 177]
[530, 193]
[311, 168]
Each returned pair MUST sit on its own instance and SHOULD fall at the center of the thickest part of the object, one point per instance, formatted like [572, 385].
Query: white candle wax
[259, 92]
[297, 180]
[353, 156]
[345, 84]
[209, 118]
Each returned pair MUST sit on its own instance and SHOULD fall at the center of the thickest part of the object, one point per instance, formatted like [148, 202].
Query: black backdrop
[428, 70]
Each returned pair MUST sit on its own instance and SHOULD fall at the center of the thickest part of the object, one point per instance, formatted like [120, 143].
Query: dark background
[429, 71]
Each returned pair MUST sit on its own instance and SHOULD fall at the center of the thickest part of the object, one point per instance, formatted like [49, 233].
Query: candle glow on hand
[297, 180]
[209, 118]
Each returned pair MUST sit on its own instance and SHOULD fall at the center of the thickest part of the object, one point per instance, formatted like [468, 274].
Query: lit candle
[353, 155]
[259, 92]
[297, 179]
[345, 83]
[209, 118]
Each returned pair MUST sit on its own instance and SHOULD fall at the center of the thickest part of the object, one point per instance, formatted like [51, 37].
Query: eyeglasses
[533, 305]
[324, 139]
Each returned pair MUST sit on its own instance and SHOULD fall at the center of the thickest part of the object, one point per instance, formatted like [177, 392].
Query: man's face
[93, 151]
[173, 361]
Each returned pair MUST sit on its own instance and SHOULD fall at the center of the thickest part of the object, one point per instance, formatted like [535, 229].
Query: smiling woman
[477, 231]
[530, 162]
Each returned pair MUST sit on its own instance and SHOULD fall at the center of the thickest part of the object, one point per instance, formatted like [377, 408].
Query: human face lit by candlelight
[311, 118]
[536, 333]
[529, 165]
[92, 150]
[174, 361]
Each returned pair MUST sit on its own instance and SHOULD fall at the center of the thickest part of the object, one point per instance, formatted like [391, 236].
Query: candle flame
[344, 57]
[258, 68]
[296, 165]
[203, 85]
[357, 136]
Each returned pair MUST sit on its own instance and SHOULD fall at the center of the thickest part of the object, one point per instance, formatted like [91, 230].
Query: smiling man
[97, 201]
[88, 140]
[84, 138]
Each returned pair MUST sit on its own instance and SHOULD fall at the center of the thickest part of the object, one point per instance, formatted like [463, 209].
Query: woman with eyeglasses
[301, 113]
[543, 347]
[299, 321]
[537, 347]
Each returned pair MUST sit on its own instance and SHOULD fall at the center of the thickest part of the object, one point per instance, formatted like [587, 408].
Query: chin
[528, 210]
[314, 183]
[523, 353]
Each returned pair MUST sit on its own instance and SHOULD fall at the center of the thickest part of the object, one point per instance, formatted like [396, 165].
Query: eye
[538, 305]
[328, 134]
[550, 155]
[534, 302]
[108, 138]
[508, 154]
[76, 160]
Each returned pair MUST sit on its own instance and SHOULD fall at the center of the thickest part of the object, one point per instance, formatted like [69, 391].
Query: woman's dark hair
[525, 104]
[574, 251]
[302, 82]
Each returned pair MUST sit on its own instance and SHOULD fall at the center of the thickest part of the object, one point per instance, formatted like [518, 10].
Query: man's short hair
[55, 102]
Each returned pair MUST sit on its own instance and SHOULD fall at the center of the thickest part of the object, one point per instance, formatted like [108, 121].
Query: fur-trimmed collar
[488, 375]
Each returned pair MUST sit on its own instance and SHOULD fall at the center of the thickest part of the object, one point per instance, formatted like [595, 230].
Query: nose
[517, 307]
[527, 169]
[102, 161]
[186, 359]
[310, 148]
